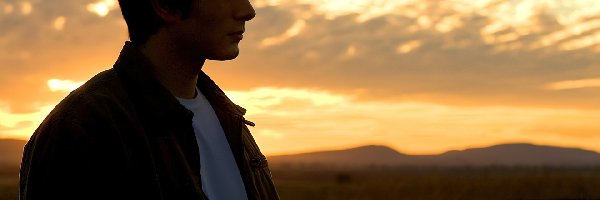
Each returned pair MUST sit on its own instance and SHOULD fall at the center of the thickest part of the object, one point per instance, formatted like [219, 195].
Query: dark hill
[516, 155]
[500, 155]
[373, 154]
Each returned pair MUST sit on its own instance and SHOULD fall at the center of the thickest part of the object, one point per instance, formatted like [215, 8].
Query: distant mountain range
[519, 154]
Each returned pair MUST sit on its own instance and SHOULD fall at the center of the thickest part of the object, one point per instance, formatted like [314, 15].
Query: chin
[226, 55]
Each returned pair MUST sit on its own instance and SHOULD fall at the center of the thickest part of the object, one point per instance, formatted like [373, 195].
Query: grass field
[9, 180]
[436, 183]
[418, 183]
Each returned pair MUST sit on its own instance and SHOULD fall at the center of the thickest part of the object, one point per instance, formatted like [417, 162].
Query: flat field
[9, 181]
[416, 183]
[439, 183]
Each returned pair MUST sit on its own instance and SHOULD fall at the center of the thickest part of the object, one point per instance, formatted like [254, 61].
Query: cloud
[408, 47]
[574, 84]
[296, 28]
[20, 125]
[17, 126]
[458, 52]
[407, 72]
[442, 54]
[63, 41]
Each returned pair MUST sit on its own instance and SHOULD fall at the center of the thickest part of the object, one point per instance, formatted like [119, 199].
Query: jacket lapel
[231, 117]
[159, 106]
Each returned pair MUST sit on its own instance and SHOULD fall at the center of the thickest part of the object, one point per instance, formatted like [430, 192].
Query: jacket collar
[156, 101]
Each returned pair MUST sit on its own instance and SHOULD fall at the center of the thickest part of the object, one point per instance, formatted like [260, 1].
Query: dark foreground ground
[436, 183]
[417, 183]
[9, 180]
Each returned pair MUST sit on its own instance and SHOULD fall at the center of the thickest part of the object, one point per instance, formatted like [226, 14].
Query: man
[154, 126]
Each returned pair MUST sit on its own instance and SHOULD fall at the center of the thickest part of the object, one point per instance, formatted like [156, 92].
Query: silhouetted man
[154, 126]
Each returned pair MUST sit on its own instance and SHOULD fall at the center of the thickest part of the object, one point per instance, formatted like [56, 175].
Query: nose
[245, 11]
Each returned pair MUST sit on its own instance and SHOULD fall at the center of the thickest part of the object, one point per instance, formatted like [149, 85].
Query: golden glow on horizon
[21, 125]
[296, 120]
[292, 120]
[574, 84]
[56, 85]
[103, 7]
[257, 99]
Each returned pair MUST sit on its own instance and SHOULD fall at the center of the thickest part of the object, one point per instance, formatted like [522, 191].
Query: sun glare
[297, 119]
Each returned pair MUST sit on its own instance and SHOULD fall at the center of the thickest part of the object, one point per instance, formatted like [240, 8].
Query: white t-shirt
[221, 179]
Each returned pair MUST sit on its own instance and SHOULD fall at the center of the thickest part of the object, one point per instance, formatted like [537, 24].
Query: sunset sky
[421, 76]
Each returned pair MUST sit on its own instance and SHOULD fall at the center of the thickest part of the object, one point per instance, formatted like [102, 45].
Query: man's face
[213, 29]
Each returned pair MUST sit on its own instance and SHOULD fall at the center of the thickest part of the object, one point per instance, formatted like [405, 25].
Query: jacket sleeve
[54, 160]
[63, 161]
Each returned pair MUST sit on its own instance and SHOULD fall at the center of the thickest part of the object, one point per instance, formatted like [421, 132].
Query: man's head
[207, 29]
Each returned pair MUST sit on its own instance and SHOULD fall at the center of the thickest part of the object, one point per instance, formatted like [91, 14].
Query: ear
[166, 14]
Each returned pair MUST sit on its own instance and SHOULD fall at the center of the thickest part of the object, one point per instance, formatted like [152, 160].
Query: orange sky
[420, 76]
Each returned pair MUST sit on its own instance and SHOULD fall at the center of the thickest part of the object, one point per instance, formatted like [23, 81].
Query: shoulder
[90, 105]
[76, 138]
[82, 121]
[98, 94]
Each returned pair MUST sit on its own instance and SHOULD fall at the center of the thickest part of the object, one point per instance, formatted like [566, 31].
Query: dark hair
[142, 20]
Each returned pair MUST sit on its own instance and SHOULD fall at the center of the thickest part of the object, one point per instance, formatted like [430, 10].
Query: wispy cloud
[63, 41]
[20, 125]
[296, 29]
[468, 50]
[439, 53]
[574, 84]
[408, 46]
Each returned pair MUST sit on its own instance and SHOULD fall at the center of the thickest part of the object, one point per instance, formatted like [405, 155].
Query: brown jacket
[122, 135]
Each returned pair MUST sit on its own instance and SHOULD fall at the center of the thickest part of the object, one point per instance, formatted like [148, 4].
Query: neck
[173, 67]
